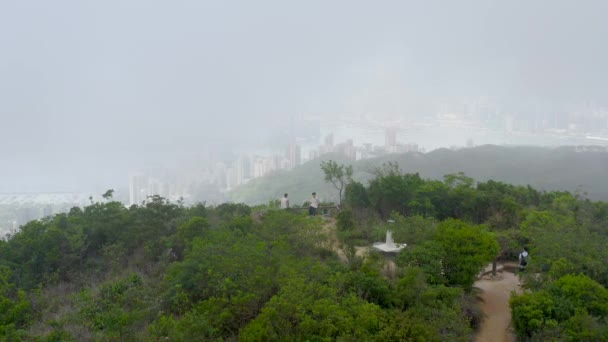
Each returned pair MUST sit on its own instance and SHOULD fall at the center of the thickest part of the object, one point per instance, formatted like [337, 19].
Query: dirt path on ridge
[496, 292]
[333, 243]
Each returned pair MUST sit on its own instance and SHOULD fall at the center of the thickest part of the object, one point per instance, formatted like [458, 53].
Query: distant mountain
[564, 168]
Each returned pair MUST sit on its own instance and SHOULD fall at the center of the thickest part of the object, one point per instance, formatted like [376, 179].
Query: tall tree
[338, 175]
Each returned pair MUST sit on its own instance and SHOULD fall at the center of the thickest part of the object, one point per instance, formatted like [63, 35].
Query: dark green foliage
[196, 227]
[305, 310]
[240, 224]
[412, 230]
[365, 280]
[199, 210]
[116, 308]
[428, 257]
[467, 249]
[574, 305]
[579, 291]
[162, 271]
[222, 266]
[303, 234]
[554, 235]
[229, 210]
[45, 251]
[156, 219]
[108, 194]
[103, 223]
[455, 254]
[15, 309]
[356, 196]
[457, 196]
[345, 220]
[532, 312]
[438, 308]
[392, 191]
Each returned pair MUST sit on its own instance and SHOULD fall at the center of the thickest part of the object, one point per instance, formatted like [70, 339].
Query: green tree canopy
[338, 175]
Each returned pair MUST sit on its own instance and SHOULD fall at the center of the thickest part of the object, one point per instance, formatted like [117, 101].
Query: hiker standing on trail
[284, 202]
[314, 204]
[523, 259]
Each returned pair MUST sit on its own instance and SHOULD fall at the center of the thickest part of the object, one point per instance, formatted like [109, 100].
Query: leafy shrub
[345, 221]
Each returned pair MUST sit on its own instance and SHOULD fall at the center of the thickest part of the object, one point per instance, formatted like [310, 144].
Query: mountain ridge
[545, 168]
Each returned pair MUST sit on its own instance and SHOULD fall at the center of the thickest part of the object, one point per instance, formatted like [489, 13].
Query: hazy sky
[91, 89]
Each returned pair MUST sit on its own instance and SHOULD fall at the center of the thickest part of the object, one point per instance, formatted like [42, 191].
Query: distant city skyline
[478, 119]
[358, 138]
[209, 178]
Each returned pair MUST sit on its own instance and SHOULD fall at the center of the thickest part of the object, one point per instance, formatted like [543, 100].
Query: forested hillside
[549, 169]
[164, 271]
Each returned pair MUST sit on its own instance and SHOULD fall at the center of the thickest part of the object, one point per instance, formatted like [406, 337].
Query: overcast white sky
[89, 89]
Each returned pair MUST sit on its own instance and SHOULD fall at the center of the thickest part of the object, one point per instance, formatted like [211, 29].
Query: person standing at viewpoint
[285, 202]
[313, 205]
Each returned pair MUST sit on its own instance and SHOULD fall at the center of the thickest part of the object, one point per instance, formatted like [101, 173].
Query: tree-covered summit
[166, 271]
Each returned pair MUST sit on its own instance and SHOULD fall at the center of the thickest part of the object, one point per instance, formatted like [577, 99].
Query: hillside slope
[543, 168]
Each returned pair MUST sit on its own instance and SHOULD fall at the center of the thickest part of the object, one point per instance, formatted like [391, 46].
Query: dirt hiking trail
[496, 292]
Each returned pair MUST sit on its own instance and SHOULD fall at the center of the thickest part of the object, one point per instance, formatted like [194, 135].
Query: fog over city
[279, 170]
[92, 92]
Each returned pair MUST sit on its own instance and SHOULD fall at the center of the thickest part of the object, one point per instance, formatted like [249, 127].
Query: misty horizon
[92, 91]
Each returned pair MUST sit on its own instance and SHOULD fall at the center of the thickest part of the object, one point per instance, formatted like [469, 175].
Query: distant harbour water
[431, 138]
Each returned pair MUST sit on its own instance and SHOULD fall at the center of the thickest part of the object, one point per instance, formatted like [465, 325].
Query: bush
[345, 220]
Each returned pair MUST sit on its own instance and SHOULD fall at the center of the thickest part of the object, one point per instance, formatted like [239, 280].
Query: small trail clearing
[333, 243]
[496, 292]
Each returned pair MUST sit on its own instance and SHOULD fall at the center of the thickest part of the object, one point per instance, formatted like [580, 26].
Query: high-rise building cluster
[216, 176]
[17, 209]
[141, 186]
[538, 118]
[349, 150]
